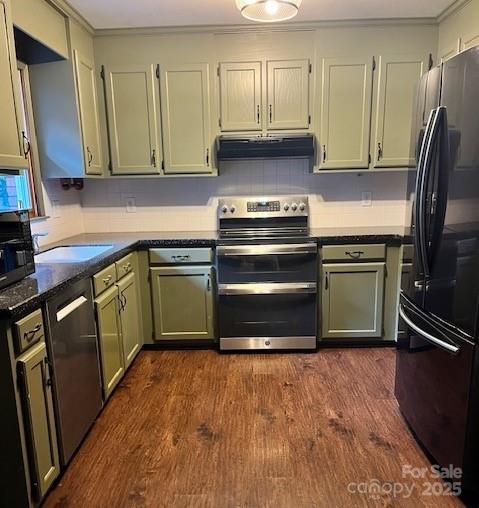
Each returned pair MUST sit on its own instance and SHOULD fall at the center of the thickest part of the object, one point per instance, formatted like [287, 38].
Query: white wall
[190, 203]
[64, 211]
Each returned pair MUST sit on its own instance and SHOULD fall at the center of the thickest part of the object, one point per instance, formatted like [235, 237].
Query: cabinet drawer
[125, 266]
[104, 279]
[355, 252]
[29, 330]
[181, 256]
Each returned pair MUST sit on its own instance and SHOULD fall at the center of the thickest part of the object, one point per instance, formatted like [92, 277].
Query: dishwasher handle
[70, 308]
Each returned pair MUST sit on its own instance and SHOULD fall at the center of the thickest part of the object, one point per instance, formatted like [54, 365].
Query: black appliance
[267, 269]
[265, 147]
[16, 247]
[437, 367]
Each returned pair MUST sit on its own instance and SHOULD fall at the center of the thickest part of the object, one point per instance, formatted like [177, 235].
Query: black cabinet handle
[324, 153]
[153, 158]
[257, 113]
[355, 254]
[207, 156]
[26, 145]
[326, 282]
[380, 151]
[270, 113]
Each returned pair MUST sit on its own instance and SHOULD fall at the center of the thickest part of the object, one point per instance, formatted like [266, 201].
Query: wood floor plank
[200, 429]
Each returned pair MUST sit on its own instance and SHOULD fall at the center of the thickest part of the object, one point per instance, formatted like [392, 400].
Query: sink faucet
[35, 238]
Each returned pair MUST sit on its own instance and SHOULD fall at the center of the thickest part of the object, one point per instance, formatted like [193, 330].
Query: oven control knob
[294, 207]
[224, 209]
[233, 209]
[302, 207]
[286, 207]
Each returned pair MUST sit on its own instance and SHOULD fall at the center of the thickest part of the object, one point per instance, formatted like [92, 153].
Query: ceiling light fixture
[268, 11]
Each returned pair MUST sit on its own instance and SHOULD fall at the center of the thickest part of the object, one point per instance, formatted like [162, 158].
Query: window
[23, 191]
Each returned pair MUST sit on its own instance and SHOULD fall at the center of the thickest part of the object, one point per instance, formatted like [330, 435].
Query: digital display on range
[263, 206]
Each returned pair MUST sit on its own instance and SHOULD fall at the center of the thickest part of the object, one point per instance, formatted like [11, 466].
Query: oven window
[283, 315]
[268, 268]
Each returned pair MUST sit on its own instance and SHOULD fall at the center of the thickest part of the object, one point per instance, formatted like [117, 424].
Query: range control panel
[263, 206]
[286, 206]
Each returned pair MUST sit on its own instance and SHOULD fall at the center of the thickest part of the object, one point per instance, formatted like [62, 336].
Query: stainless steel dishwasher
[73, 351]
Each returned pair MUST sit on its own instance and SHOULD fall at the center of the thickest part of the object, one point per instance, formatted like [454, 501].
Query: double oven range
[267, 269]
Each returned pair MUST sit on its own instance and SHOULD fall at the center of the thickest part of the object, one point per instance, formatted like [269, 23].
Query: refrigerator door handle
[426, 152]
[450, 348]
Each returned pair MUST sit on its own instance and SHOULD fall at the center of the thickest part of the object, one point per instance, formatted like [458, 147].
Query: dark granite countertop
[50, 279]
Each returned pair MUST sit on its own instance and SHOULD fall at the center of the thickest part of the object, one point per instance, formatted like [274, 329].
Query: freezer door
[452, 195]
[433, 375]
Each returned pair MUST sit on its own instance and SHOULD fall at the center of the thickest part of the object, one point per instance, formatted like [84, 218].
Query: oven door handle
[267, 288]
[264, 250]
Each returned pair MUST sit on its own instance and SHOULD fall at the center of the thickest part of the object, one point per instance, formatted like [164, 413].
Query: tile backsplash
[190, 203]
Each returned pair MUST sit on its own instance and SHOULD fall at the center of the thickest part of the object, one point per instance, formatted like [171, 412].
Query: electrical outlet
[130, 205]
[366, 198]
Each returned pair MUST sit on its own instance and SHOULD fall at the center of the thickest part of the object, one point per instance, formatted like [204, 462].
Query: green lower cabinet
[182, 302]
[110, 338]
[352, 300]
[130, 317]
[39, 418]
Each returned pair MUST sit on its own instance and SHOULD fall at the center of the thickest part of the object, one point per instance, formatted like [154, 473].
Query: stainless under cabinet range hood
[267, 147]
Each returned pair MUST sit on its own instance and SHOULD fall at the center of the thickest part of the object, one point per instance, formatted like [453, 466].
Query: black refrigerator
[437, 366]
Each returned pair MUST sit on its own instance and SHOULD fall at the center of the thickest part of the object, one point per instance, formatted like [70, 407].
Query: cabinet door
[40, 419]
[352, 300]
[288, 94]
[182, 302]
[132, 99]
[240, 89]
[398, 78]
[88, 106]
[11, 155]
[185, 112]
[130, 317]
[346, 112]
[110, 339]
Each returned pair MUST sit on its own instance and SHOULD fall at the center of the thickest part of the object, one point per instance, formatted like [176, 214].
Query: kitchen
[183, 183]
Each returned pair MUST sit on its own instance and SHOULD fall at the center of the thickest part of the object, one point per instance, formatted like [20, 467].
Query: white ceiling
[147, 13]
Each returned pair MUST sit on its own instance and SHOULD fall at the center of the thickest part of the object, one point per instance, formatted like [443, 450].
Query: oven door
[267, 315]
[285, 263]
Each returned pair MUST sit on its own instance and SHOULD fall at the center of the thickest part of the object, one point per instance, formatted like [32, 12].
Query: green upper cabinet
[185, 112]
[110, 338]
[130, 317]
[182, 302]
[346, 112]
[397, 80]
[39, 418]
[240, 96]
[352, 300]
[88, 107]
[11, 153]
[133, 109]
[288, 94]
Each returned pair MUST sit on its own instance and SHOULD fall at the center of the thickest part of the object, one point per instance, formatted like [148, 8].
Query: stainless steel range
[267, 274]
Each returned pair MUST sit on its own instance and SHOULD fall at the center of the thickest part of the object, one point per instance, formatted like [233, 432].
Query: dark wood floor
[199, 429]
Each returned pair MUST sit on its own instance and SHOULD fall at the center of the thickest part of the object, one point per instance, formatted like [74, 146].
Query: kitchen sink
[71, 254]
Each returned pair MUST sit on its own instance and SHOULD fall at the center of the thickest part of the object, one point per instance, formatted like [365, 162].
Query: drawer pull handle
[107, 280]
[28, 336]
[127, 267]
[181, 258]
[355, 254]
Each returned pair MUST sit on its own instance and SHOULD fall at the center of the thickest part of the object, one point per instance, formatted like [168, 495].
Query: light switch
[130, 205]
[366, 198]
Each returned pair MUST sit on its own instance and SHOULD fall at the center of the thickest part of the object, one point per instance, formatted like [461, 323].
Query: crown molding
[452, 9]
[70, 12]
[247, 28]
